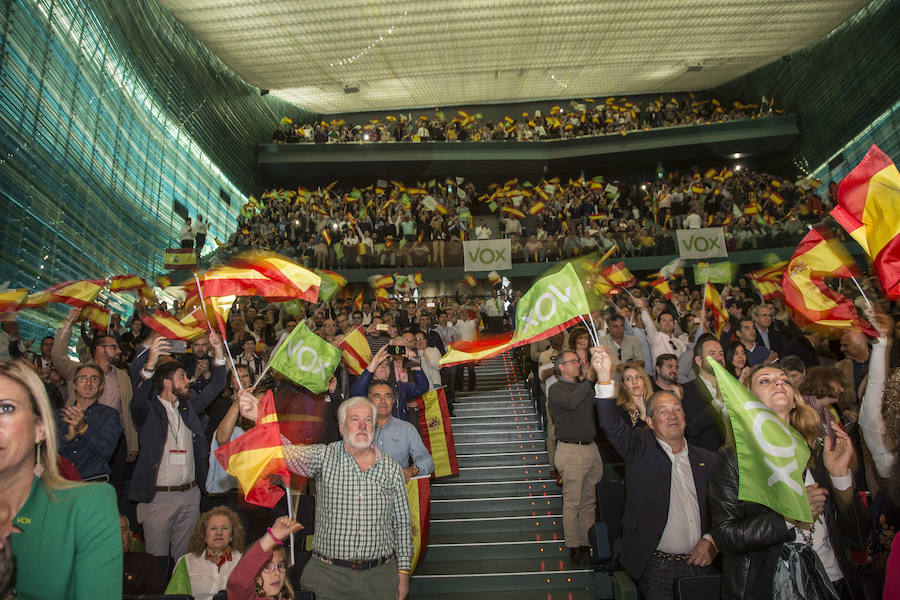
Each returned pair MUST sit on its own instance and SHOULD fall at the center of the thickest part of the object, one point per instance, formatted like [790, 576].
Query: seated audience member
[261, 573]
[142, 574]
[666, 526]
[398, 439]
[64, 535]
[767, 556]
[214, 550]
[88, 431]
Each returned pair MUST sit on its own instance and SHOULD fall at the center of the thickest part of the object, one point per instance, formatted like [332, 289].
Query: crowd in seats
[391, 224]
[578, 118]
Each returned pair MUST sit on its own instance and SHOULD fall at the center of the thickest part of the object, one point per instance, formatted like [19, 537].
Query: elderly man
[770, 337]
[666, 527]
[88, 432]
[363, 542]
[577, 457]
[398, 439]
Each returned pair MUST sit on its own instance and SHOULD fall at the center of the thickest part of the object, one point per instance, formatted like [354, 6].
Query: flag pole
[290, 507]
[224, 340]
[869, 304]
[263, 374]
[590, 330]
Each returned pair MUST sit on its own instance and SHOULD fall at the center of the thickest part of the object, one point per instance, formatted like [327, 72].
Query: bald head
[855, 345]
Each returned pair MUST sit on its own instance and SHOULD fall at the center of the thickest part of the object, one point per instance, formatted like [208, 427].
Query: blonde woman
[633, 394]
[65, 536]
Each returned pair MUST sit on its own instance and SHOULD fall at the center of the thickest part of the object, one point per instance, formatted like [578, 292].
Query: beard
[183, 395]
[353, 441]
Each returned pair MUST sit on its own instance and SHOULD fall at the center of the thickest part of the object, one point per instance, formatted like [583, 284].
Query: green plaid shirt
[359, 515]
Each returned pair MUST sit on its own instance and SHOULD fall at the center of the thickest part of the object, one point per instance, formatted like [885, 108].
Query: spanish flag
[278, 268]
[227, 280]
[256, 456]
[358, 302]
[37, 299]
[120, 283]
[710, 173]
[809, 300]
[381, 296]
[661, 285]
[513, 211]
[619, 275]
[11, 300]
[355, 350]
[776, 199]
[76, 293]
[417, 278]
[326, 236]
[437, 433]
[169, 327]
[97, 315]
[713, 303]
[768, 280]
[418, 491]
[538, 207]
[383, 281]
[164, 281]
[470, 280]
[869, 209]
[180, 259]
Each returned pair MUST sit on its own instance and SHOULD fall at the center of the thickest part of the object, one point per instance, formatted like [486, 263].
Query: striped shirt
[359, 515]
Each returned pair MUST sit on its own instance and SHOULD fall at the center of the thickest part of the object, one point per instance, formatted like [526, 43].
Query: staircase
[496, 529]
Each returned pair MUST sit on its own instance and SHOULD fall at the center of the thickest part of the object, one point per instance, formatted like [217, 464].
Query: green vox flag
[771, 455]
[306, 359]
[719, 272]
[553, 303]
[181, 580]
[327, 288]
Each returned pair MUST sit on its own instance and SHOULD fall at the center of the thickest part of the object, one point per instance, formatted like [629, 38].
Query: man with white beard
[367, 521]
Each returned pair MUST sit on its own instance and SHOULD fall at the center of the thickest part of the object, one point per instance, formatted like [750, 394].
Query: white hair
[354, 401]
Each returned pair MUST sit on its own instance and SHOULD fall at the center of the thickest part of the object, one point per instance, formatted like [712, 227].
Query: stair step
[496, 425]
[487, 522]
[505, 459]
[500, 574]
[495, 417]
[465, 409]
[500, 473]
[528, 435]
[494, 489]
[530, 594]
[500, 447]
[547, 549]
[503, 506]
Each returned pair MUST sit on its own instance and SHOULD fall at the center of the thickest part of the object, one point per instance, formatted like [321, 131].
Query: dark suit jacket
[648, 482]
[705, 424]
[776, 340]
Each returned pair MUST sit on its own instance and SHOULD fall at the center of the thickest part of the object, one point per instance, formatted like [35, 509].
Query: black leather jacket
[750, 535]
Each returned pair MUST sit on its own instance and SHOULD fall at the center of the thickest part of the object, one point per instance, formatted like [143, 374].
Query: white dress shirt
[177, 464]
[683, 529]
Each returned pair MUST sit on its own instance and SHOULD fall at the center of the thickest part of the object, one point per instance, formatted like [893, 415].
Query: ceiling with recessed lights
[405, 54]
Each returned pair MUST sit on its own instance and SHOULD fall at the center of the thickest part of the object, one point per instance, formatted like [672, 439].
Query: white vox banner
[487, 255]
[701, 243]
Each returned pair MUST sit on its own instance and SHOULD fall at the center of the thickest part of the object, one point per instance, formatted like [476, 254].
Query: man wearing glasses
[88, 431]
[115, 391]
[577, 459]
[769, 336]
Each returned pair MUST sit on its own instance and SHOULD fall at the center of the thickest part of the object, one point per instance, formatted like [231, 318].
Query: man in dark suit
[766, 334]
[707, 424]
[665, 529]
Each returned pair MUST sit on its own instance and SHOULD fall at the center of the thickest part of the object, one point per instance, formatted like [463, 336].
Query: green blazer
[70, 547]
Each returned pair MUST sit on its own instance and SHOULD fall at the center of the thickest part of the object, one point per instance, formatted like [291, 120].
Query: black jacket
[750, 535]
[705, 424]
[151, 422]
[648, 481]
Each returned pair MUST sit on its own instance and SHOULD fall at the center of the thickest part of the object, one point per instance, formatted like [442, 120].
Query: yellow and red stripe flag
[809, 300]
[358, 302]
[869, 209]
[169, 327]
[661, 285]
[180, 259]
[326, 236]
[619, 275]
[76, 293]
[537, 208]
[278, 268]
[381, 296]
[383, 281]
[768, 280]
[120, 283]
[256, 456]
[437, 433]
[470, 280]
[97, 315]
[226, 280]
[513, 211]
[418, 491]
[355, 351]
[37, 299]
[713, 303]
[11, 300]
[776, 199]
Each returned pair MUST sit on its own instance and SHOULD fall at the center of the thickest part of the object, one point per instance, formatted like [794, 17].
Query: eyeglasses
[91, 378]
[419, 339]
[272, 567]
[574, 360]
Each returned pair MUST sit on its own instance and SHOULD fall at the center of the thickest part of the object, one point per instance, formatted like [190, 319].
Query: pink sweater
[242, 582]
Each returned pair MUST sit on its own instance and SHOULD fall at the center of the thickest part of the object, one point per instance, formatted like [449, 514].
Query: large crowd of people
[391, 224]
[577, 118]
[144, 416]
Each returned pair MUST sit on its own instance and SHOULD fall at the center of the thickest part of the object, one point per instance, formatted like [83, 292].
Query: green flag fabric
[327, 288]
[306, 359]
[720, 272]
[181, 580]
[553, 303]
[771, 455]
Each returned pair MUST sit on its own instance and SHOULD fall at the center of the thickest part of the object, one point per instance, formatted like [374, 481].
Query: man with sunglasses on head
[88, 432]
[571, 401]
